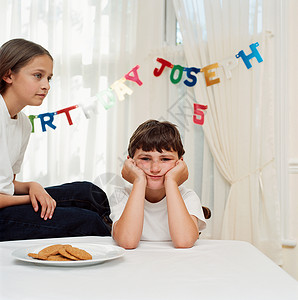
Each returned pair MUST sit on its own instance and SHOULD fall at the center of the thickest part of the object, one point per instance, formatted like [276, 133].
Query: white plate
[100, 254]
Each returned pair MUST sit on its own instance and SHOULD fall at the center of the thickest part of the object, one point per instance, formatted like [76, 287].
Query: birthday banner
[108, 97]
[227, 64]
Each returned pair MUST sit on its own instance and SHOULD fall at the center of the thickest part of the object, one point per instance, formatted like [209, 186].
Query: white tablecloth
[216, 270]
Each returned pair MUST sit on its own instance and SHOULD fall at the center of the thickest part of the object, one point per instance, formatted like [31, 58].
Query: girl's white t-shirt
[155, 226]
[14, 137]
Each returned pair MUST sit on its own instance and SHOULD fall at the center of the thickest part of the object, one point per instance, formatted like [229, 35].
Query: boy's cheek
[141, 165]
[170, 167]
[175, 165]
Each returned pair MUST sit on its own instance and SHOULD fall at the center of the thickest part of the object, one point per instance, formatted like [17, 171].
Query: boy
[155, 208]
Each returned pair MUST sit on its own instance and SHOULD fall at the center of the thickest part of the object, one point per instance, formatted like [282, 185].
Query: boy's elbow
[183, 245]
[128, 244]
[185, 242]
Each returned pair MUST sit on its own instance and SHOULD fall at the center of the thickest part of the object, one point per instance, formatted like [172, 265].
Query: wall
[290, 254]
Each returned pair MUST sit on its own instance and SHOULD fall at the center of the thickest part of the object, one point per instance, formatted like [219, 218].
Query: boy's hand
[131, 172]
[38, 194]
[178, 174]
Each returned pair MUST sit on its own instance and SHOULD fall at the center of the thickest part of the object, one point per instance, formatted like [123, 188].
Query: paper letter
[88, 106]
[66, 111]
[209, 75]
[49, 122]
[121, 89]
[106, 98]
[164, 63]
[246, 58]
[199, 112]
[31, 118]
[228, 65]
[135, 76]
[190, 76]
[180, 70]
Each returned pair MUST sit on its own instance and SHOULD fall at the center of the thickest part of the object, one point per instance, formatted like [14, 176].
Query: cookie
[79, 253]
[50, 250]
[60, 252]
[58, 257]
[66, 254]
[33, 255]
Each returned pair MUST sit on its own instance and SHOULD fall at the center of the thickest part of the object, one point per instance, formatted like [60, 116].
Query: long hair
[15, 54]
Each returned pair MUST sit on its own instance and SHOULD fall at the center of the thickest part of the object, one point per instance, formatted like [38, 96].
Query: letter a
[135, 77]
[121, 89]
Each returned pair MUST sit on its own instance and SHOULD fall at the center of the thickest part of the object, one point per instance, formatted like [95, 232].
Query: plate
[100, 254]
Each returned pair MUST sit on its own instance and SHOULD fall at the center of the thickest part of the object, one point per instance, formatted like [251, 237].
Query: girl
[27, 210]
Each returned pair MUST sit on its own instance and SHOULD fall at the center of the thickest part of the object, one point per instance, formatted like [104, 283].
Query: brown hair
[15, 54]
[155, 135]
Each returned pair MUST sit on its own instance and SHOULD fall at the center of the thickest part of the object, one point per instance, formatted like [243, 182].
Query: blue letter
[246, 58]
[190, 76]
[49, 122]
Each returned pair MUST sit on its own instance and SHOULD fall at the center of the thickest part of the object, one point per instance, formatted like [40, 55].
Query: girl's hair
[15, 54]
[155, 135]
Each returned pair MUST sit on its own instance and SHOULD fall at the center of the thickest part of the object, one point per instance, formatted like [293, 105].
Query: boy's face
[155, 165]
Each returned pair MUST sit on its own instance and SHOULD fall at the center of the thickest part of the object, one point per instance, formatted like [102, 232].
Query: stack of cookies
[61, 253]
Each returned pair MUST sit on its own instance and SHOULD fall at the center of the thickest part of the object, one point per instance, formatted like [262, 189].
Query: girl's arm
[184, 229]
[30, 192]
[128, 229]
[9, 200]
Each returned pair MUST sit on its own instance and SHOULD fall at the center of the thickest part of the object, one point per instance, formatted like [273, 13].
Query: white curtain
[94, 43]
[240, 120]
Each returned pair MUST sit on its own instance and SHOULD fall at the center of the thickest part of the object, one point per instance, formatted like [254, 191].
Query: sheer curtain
[239, 124]
[94, 43]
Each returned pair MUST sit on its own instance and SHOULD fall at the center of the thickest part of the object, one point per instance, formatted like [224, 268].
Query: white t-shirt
[156, 226]
[14, 137]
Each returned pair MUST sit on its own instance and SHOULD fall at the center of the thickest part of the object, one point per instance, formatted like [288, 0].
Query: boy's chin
[155, 186]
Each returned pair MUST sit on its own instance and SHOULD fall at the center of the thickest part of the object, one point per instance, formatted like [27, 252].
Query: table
[211, 270]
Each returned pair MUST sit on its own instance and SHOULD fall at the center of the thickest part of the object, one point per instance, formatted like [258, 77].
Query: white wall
[290, 254]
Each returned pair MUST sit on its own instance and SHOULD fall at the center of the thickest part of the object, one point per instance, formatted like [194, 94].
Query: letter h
[246, 58]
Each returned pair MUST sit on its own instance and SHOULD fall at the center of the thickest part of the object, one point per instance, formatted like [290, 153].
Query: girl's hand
[38, 194]
[179, 173]
[131, 172]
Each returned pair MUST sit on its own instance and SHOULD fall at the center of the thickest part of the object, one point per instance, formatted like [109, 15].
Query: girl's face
[155, 165]
[30, 84]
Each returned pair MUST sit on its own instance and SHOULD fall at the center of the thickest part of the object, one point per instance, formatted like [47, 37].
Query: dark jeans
[82, 209]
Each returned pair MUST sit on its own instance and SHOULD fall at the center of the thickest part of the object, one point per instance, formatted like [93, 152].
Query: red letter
[197, 111]
[66, 111]
[135, 76]
[164, 63]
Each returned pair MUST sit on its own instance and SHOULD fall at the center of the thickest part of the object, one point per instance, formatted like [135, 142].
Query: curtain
[94, 44]
[240, 121]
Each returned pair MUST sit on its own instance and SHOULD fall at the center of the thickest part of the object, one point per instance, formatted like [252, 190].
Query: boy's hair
[15, 54]
[155, 135]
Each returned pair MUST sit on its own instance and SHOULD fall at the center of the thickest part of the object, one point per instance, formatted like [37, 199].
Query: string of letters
[108, 97]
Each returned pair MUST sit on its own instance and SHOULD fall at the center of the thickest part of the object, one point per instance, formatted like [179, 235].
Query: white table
[216, 270]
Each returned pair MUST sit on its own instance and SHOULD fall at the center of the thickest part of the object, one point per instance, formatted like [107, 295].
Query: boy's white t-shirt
[14, 137]
[156, 226]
